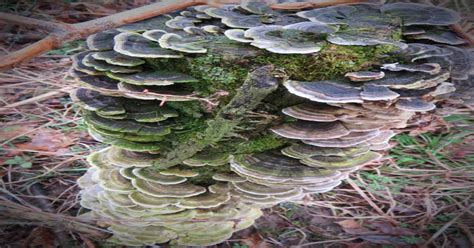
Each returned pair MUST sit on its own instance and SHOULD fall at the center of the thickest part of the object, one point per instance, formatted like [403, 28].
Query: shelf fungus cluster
[212, 114]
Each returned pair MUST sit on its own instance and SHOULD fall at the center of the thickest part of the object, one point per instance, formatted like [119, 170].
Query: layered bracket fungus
[212, 114]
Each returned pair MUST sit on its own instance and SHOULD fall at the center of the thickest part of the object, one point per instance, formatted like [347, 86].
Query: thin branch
[369, 201]
[35, 99]
[11, 60]
[446, 226]
[33, 23]
[46, 206]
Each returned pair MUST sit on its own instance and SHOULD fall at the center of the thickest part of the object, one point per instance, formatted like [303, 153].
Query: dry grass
[43, 145]
[421, 195]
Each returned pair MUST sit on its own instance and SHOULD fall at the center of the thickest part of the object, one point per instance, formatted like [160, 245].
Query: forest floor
[420, 195]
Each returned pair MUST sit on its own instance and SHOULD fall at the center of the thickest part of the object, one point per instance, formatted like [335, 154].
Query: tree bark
[259, 84]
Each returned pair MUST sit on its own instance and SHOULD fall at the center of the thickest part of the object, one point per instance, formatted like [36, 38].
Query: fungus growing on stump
[213, 114]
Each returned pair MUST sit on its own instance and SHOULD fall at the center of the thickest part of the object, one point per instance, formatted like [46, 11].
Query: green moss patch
[332, 61]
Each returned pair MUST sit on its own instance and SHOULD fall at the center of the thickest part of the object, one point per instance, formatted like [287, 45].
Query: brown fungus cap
[309, 130]
[152, 175]
[353, 139]
[430, 68]
[382, 138]
[257, 7]
[182, 44]
[208, 158]
[363, 38]
[421, 14]
[95, 101]
[118, 199]
[158, 78]
[97, 83]
[126, 126]
[180, 22]
[461, 61]
[312, 27]
[417, 51]
[228, 177]
[362, 76]
[237, 35]
[102, 41]
[232, 17]
[213, 29]
[377, 93]
[324, 91]
[300, 151]
[414, 104]
[154, 34]
[354, 15]
[180, 172]
[206, 200]
[125, 158]
[333, 162]
[135, 45]
[278, 39]
[318, 112]
[278, 168]
[166, 93]
[103, 66]
[115, 58]
[79, 68]
[410, 80]
[439, 35]
[112, 180]
[174, 191]
[258, 189]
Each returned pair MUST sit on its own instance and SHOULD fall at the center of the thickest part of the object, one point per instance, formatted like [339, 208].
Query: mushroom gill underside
[213, 114]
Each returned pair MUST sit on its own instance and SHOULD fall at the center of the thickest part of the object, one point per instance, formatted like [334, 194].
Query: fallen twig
[369, 201]
[46, 206]
[36, 98]
[446, 226]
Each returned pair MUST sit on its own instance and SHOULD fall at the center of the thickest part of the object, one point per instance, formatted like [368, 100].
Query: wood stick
[446, 226]
[369, 201]
[35, 99]
[69, 32]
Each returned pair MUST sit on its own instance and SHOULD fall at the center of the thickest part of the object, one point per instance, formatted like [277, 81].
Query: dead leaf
[40, 237]
[349, 224]
[7, 133]
[428, 123]
[353, 227]
[254, 240]
[273, 222]
[48, 140]
[87, 242]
